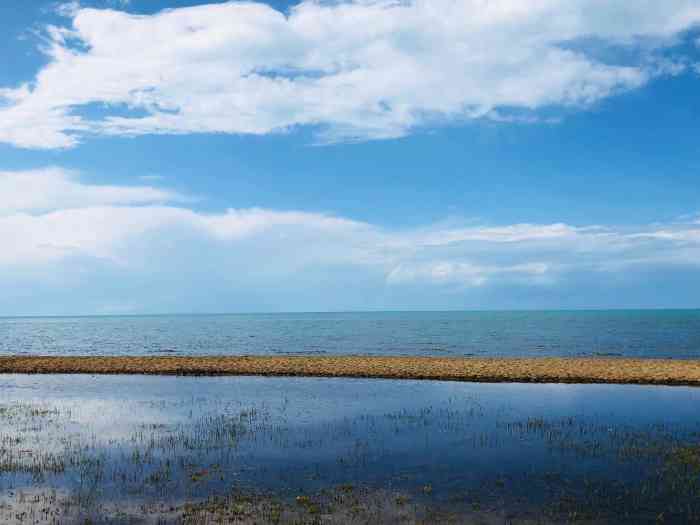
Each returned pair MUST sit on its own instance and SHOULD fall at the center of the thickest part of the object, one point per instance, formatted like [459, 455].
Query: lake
[630, 333]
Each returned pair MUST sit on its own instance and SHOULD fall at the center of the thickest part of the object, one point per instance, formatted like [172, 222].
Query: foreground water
[657, 333]
[131, 448]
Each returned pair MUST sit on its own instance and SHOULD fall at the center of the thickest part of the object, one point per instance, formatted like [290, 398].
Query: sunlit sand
[545, 370]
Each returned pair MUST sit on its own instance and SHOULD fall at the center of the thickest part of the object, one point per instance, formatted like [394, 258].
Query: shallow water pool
[131, 448]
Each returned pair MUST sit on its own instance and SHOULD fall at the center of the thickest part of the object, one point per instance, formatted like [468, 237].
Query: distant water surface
[644, 333]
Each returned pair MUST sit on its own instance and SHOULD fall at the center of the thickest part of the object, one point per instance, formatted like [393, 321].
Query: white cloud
[56, 226]
[510, 233]
[461, 274]
[51, 214]
[356, 70]
[152, 178]
[55, 188]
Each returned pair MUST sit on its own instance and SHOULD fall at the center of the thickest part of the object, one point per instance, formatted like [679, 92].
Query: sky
[162, 156]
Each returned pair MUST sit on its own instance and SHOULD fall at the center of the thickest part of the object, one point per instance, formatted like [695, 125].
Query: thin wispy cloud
[351, 70]
[52, 189]
[148, 234]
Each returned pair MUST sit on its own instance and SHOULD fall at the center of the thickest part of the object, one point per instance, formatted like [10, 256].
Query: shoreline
[482, 370]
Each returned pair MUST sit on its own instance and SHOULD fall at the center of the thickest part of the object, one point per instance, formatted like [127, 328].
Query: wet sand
[524, 370]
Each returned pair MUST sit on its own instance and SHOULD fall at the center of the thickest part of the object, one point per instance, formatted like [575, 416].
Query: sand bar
[525, 370]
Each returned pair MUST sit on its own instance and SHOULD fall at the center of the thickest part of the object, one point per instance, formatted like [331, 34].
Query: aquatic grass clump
[335, 505]
[685, 457]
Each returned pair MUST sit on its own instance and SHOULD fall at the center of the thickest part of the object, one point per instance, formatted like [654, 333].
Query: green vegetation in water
[206, 468]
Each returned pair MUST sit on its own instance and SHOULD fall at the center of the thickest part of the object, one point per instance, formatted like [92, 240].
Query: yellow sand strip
[545, 370]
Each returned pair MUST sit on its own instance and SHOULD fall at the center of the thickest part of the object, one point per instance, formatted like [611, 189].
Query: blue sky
[161, 156]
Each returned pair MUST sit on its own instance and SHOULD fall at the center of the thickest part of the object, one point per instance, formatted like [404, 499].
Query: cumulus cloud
[352, 70]
[141, 246]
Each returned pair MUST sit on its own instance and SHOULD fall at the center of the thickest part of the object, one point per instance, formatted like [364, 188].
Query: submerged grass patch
[402, 453]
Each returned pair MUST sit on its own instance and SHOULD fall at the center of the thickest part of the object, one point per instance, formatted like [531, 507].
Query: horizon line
[330, 312]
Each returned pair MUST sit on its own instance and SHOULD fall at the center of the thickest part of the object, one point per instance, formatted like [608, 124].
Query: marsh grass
[440, 462]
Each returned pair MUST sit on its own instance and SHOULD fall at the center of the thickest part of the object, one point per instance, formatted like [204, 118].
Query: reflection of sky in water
[307, 433]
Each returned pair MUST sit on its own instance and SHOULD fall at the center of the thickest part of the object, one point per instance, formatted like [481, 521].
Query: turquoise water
[648, 333]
